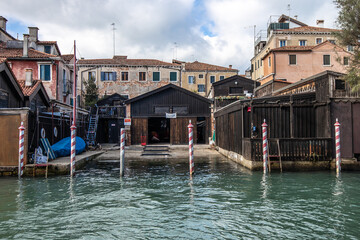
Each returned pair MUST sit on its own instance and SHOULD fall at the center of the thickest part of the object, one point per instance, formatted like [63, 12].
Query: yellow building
[286, 32]
[198, 77]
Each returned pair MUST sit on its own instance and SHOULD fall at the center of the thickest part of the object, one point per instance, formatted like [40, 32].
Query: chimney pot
[26, 45]
[230, 66]
[3, 23]
[28, 77]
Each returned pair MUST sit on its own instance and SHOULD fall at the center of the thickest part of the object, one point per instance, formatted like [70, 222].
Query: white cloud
[213, 31]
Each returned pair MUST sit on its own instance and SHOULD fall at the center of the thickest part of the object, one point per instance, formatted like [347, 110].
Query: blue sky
[214, 31]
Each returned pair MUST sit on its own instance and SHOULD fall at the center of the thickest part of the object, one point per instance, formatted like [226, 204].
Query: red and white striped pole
[265, 146]
[73, 149]
[337, 143]
[21, 150]
[191, 148]
[122, 151]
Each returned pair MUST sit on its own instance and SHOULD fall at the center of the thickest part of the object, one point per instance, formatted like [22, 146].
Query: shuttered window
[108, 76]
[156, 76]
[45, 72]
[173, 76]
[142, 76]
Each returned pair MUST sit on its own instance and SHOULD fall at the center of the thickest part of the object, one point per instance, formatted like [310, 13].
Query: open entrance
[158, 130]
[201, 130]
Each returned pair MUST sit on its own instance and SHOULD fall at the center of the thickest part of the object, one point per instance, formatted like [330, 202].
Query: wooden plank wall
[139, 127]
[9, 149]
[179, 130]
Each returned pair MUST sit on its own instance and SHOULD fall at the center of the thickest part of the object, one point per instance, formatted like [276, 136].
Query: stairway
[155, 150]
[91, 133]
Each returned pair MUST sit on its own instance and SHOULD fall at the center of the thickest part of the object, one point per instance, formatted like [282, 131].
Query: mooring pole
[265, 146]
[73, 126]
[122, 151]
[337, 143]
[21, 150]
[191, 148]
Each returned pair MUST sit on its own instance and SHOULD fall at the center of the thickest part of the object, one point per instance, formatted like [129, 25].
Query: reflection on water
[158, 200]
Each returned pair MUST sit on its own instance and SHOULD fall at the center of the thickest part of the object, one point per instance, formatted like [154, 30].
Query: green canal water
[157, 200]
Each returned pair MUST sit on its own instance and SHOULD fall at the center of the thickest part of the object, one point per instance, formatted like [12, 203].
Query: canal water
[157, 200]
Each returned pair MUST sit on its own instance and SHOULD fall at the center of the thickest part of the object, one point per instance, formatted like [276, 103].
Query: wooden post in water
[337, 144]
[73, 149]
[21, 150]
[265, 146]
[122, 151]
[191, 148]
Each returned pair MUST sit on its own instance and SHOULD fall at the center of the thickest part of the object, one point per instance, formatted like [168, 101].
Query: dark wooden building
[11, 95]
[162, 115]
[300, 117]
[232, 89]
[111, 113]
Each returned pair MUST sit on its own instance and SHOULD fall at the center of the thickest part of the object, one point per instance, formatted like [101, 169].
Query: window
[258, 64]
[326, 60]
[161, 110]
[191, 79]
[282, 43]
[269, 61]
[71, 101]
[47, 49]
[108, 76]
[201, 88]
[346, 61]
[235, 90]
[302, 42]
[45, 72]
[332, 41]
[4, 99]
[292, 59]
[212, 79]
[64, 81]
[180, 110]
[350, 48]
[318, 40]
[142, 76]
[91, 76]
[222, 77]
[201, 75]
[339, 84]
[156, 76]
[173, 76]
[124, 76]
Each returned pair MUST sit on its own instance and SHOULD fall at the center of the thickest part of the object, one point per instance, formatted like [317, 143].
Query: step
[155, 154]
[156, 150]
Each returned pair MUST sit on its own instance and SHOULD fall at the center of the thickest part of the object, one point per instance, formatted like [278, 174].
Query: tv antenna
[113, 29]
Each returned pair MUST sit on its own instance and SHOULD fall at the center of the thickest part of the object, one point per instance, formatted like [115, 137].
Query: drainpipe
[274, 66]
[57, 81]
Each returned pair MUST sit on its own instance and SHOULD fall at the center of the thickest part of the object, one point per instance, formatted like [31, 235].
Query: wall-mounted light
[235, 83]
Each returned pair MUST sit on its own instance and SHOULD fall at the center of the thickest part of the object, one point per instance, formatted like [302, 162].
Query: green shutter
[156, 76]
[173, 76]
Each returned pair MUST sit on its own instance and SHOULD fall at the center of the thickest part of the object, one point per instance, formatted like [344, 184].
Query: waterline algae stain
[157, 200]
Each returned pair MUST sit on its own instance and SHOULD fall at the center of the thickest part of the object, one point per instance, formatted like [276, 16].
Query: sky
[219, 32]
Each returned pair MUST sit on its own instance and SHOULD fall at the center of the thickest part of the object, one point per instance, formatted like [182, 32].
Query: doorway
[201, 130]
[158, 130]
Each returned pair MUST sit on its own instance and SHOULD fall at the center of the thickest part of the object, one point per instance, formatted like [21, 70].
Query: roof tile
[27, 91]
[199, 66]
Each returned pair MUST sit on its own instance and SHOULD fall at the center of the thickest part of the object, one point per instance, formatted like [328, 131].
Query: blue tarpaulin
[63, 147]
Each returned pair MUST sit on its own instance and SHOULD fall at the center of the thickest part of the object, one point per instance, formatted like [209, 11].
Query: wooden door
[139, 127]
[356, 127]
[9, 147]
[179, 130]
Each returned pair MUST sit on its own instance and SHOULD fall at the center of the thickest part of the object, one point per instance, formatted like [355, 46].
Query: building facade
[286, 32]
[128, 77]
[198, 77]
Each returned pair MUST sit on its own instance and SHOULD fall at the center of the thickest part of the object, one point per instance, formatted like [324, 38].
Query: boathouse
[162, 116]
[111, 112]
[300, 120]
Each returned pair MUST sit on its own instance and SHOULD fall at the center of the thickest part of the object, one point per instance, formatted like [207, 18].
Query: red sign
[249, 109]
[127, 122]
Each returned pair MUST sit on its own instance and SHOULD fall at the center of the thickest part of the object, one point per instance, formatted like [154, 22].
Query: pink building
[294, 63]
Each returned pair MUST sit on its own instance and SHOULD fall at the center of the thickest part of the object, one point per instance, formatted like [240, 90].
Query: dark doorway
[159, 130]
[201, 130]
[113, 131]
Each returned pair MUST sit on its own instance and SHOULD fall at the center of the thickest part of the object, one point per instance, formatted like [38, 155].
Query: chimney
[230, 66]
[296, 16]
[320, 23]
[26, 45]
[28, 77]
[33, 32]
[3, 22]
